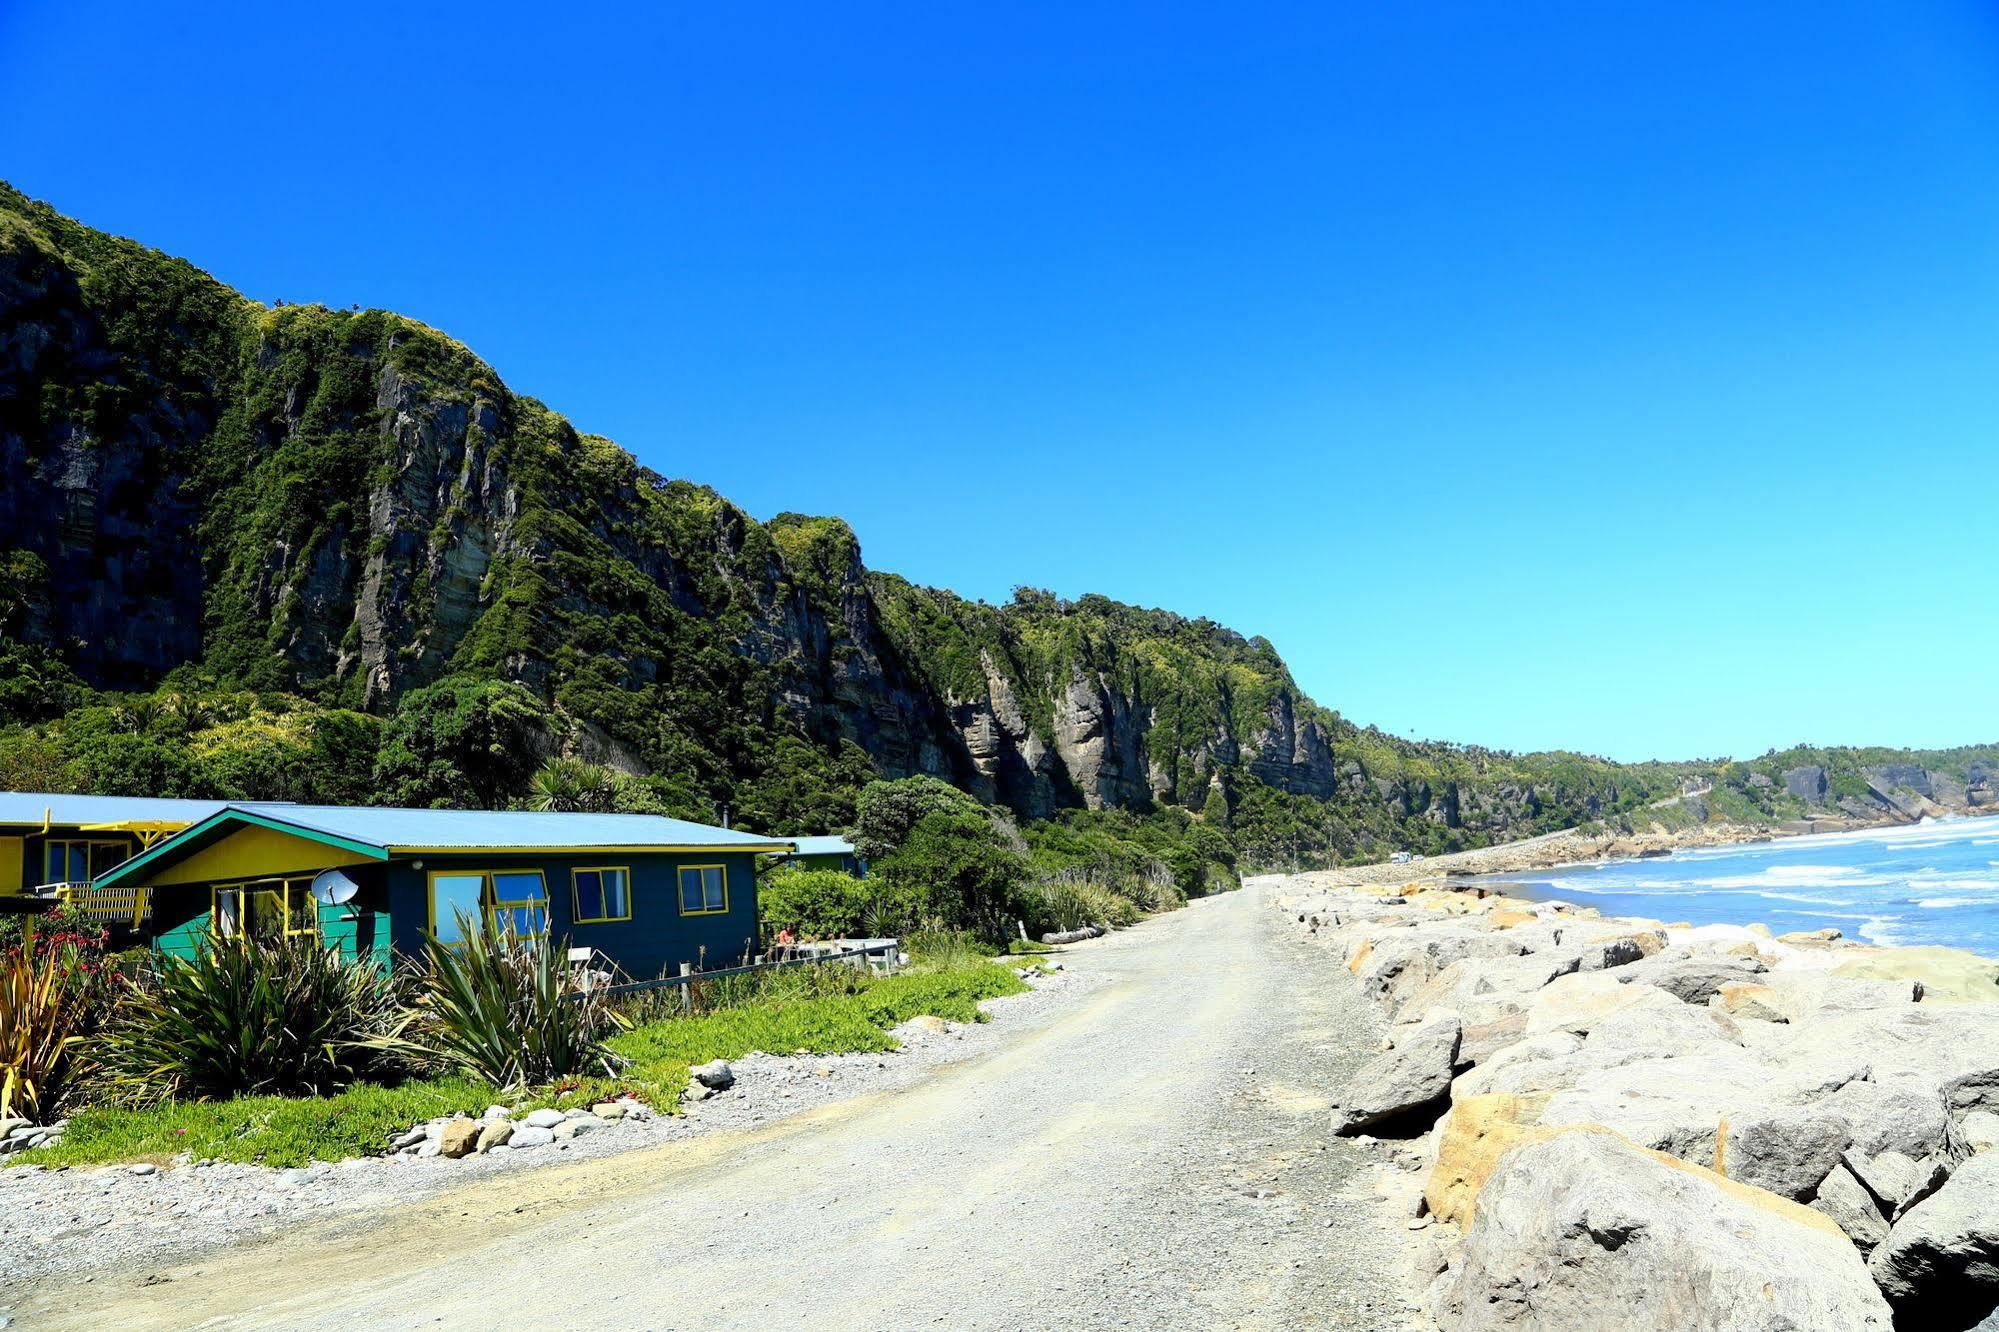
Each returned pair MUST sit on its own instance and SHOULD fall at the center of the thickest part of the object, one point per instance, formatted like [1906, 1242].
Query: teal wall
[392, 911]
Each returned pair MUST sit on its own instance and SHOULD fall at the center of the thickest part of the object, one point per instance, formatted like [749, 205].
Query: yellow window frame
[490, 905]
[576, 915]
[286, 891]
[86, 843]
[680, 891]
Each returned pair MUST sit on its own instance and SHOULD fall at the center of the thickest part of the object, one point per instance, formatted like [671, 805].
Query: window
[264, 909]
[704, 890]
[79, 860]
[601, 894]
[520, 903]
[516, 901]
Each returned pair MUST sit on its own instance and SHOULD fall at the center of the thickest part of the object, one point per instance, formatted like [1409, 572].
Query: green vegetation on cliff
[306, 553]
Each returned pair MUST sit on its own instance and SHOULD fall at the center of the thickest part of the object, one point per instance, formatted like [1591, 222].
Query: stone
[429, 1147]
[1980, 1130]
[530, 1135]
[1692, 979]
[544, 1119]
[1787, 1151]
[1415, 1074]
[1939, 1264]
[929, 1024]
[10, 1123]
[1947, 975]
[1898, 1180]
[1679, 1104]
[410, 1139]
[458, 1138]
[611, 1109]
[716, 1073]
[1749, 1000]
[1577, 1003]
[1470, 1141]
[1585, 1230]
[696, 1092]
[493, 1112]
[577, 1127]
[493, 1133]
[145, 1168]
[1853, 1209]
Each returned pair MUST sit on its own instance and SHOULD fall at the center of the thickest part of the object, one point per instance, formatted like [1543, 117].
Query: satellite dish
[333, 887]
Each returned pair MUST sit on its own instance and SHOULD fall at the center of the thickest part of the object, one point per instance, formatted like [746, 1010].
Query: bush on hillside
[960, 867]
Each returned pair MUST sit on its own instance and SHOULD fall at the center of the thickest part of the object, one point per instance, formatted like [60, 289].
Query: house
[833, 853]
[645, 892]
[53, 846]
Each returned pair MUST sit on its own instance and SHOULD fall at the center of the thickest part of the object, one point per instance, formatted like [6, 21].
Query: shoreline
[1576, 846]
[1796, 1127]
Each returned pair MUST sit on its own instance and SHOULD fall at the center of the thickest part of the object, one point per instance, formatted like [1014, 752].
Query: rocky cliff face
[348, 506]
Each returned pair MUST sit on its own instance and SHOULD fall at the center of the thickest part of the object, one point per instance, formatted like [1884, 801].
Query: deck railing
[105, 906]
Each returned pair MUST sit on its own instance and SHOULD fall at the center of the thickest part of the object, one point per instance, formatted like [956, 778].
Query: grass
[820, 1010]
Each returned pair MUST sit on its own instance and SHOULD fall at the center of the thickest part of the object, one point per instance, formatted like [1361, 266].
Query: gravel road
[1153, 1153]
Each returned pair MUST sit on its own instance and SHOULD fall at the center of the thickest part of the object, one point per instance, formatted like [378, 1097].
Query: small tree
[887, 812]
[959, 864]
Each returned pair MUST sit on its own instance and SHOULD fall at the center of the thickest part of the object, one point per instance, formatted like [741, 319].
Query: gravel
[1144, 1141]
[92, 1218]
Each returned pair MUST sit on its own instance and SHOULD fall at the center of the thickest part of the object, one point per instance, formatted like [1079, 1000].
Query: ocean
[1931, 883]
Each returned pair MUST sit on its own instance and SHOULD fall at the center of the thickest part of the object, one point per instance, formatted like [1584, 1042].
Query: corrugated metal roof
[487, 829]
[824, 846]
[18, 807]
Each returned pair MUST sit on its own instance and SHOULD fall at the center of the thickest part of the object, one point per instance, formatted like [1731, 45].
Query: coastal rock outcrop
[1838, 1092]
[1939, 1265]
[1584, 1229]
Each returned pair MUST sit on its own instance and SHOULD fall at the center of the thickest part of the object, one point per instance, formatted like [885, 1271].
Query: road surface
[1155, 1155]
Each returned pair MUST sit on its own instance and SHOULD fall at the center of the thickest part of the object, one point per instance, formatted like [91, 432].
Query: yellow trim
[489, 904]
[598, 850]
[680, 893]
[576, 916]
[251, 852]
[89, 871]
[13, 856]
[284, 891]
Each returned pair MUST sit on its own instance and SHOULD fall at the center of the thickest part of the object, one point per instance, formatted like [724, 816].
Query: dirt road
[1155, 1156]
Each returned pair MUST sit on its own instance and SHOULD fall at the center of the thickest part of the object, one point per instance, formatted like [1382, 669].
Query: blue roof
[32, 807]
[490, 829]
[824, 846]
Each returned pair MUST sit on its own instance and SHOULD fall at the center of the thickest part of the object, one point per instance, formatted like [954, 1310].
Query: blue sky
[1614, 377]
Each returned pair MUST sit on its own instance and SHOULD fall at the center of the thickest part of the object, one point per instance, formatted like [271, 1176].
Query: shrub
[244, 1017]
[1070, 900]
[500, 1008]
[42, 1013]
[960, 865]
[886, 813]
[816, 903]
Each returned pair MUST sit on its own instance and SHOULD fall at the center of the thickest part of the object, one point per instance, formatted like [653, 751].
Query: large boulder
[1693, 978]
[1585, 1230]
[1399, 961]
[1940, 1262]
[1788, 1150]
[1484, 989]
[1414, 1074]
[1685, 1104]
[1947, 975]
[1578, 1003]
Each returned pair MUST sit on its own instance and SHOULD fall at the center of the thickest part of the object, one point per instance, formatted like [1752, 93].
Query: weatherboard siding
[657, 938]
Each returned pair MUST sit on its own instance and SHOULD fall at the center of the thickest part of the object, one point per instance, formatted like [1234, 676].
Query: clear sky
[1621, 377]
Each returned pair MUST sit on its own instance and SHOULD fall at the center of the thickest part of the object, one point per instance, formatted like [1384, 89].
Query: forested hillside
[307, 553]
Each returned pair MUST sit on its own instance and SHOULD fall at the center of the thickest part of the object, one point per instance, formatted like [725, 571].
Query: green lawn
[821, 1014]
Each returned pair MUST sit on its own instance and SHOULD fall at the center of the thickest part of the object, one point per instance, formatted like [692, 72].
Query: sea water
[1936, 882]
